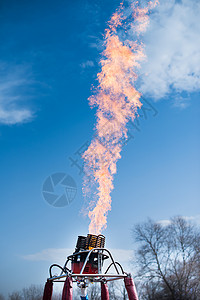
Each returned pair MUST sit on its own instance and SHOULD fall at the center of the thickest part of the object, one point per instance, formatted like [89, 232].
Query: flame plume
[117, 102]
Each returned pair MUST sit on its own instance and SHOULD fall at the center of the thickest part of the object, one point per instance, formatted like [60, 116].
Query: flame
[117, 102]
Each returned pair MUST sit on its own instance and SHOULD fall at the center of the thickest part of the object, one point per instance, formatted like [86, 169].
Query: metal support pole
[48, 290]
[130, 288]
[67, 289]
[84, 295]
[104, 291]
[101, 249]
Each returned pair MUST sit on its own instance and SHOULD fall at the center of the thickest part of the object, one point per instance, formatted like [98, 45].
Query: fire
[117, 102]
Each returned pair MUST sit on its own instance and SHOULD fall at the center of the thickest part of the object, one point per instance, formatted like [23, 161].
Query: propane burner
[95, 241]
[90, 242]
[87, 265]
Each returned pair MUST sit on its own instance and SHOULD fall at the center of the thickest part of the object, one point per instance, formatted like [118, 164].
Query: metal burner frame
[99, 277]
[83, 278]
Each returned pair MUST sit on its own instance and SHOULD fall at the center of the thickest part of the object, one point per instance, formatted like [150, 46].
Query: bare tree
[58, 296]
[31, 293]
[94, 291]
[117, 290]
[113, 290]
[15, 296]
[168, 257]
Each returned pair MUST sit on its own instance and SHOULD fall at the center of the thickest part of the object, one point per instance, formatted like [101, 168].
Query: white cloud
[87, 64]
[164, 222]
[50, 254]
[173, 51]
[194, 219]
[13, 85]
[14, 116]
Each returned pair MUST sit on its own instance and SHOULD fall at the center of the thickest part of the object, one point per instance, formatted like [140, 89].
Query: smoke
[117, 102]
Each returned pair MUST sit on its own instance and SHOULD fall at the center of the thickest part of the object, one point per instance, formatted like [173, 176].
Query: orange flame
[117, 102]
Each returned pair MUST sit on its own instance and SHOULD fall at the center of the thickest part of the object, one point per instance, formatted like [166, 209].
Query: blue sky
[49, 58]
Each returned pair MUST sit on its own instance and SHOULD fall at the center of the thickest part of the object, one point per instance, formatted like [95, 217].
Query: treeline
[166, 265]
[116, 292]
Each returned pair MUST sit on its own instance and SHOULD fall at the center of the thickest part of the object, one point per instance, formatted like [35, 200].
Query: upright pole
[67, 289]
[130, 288]
[104, 291]
[84, 295]
[48, 290]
